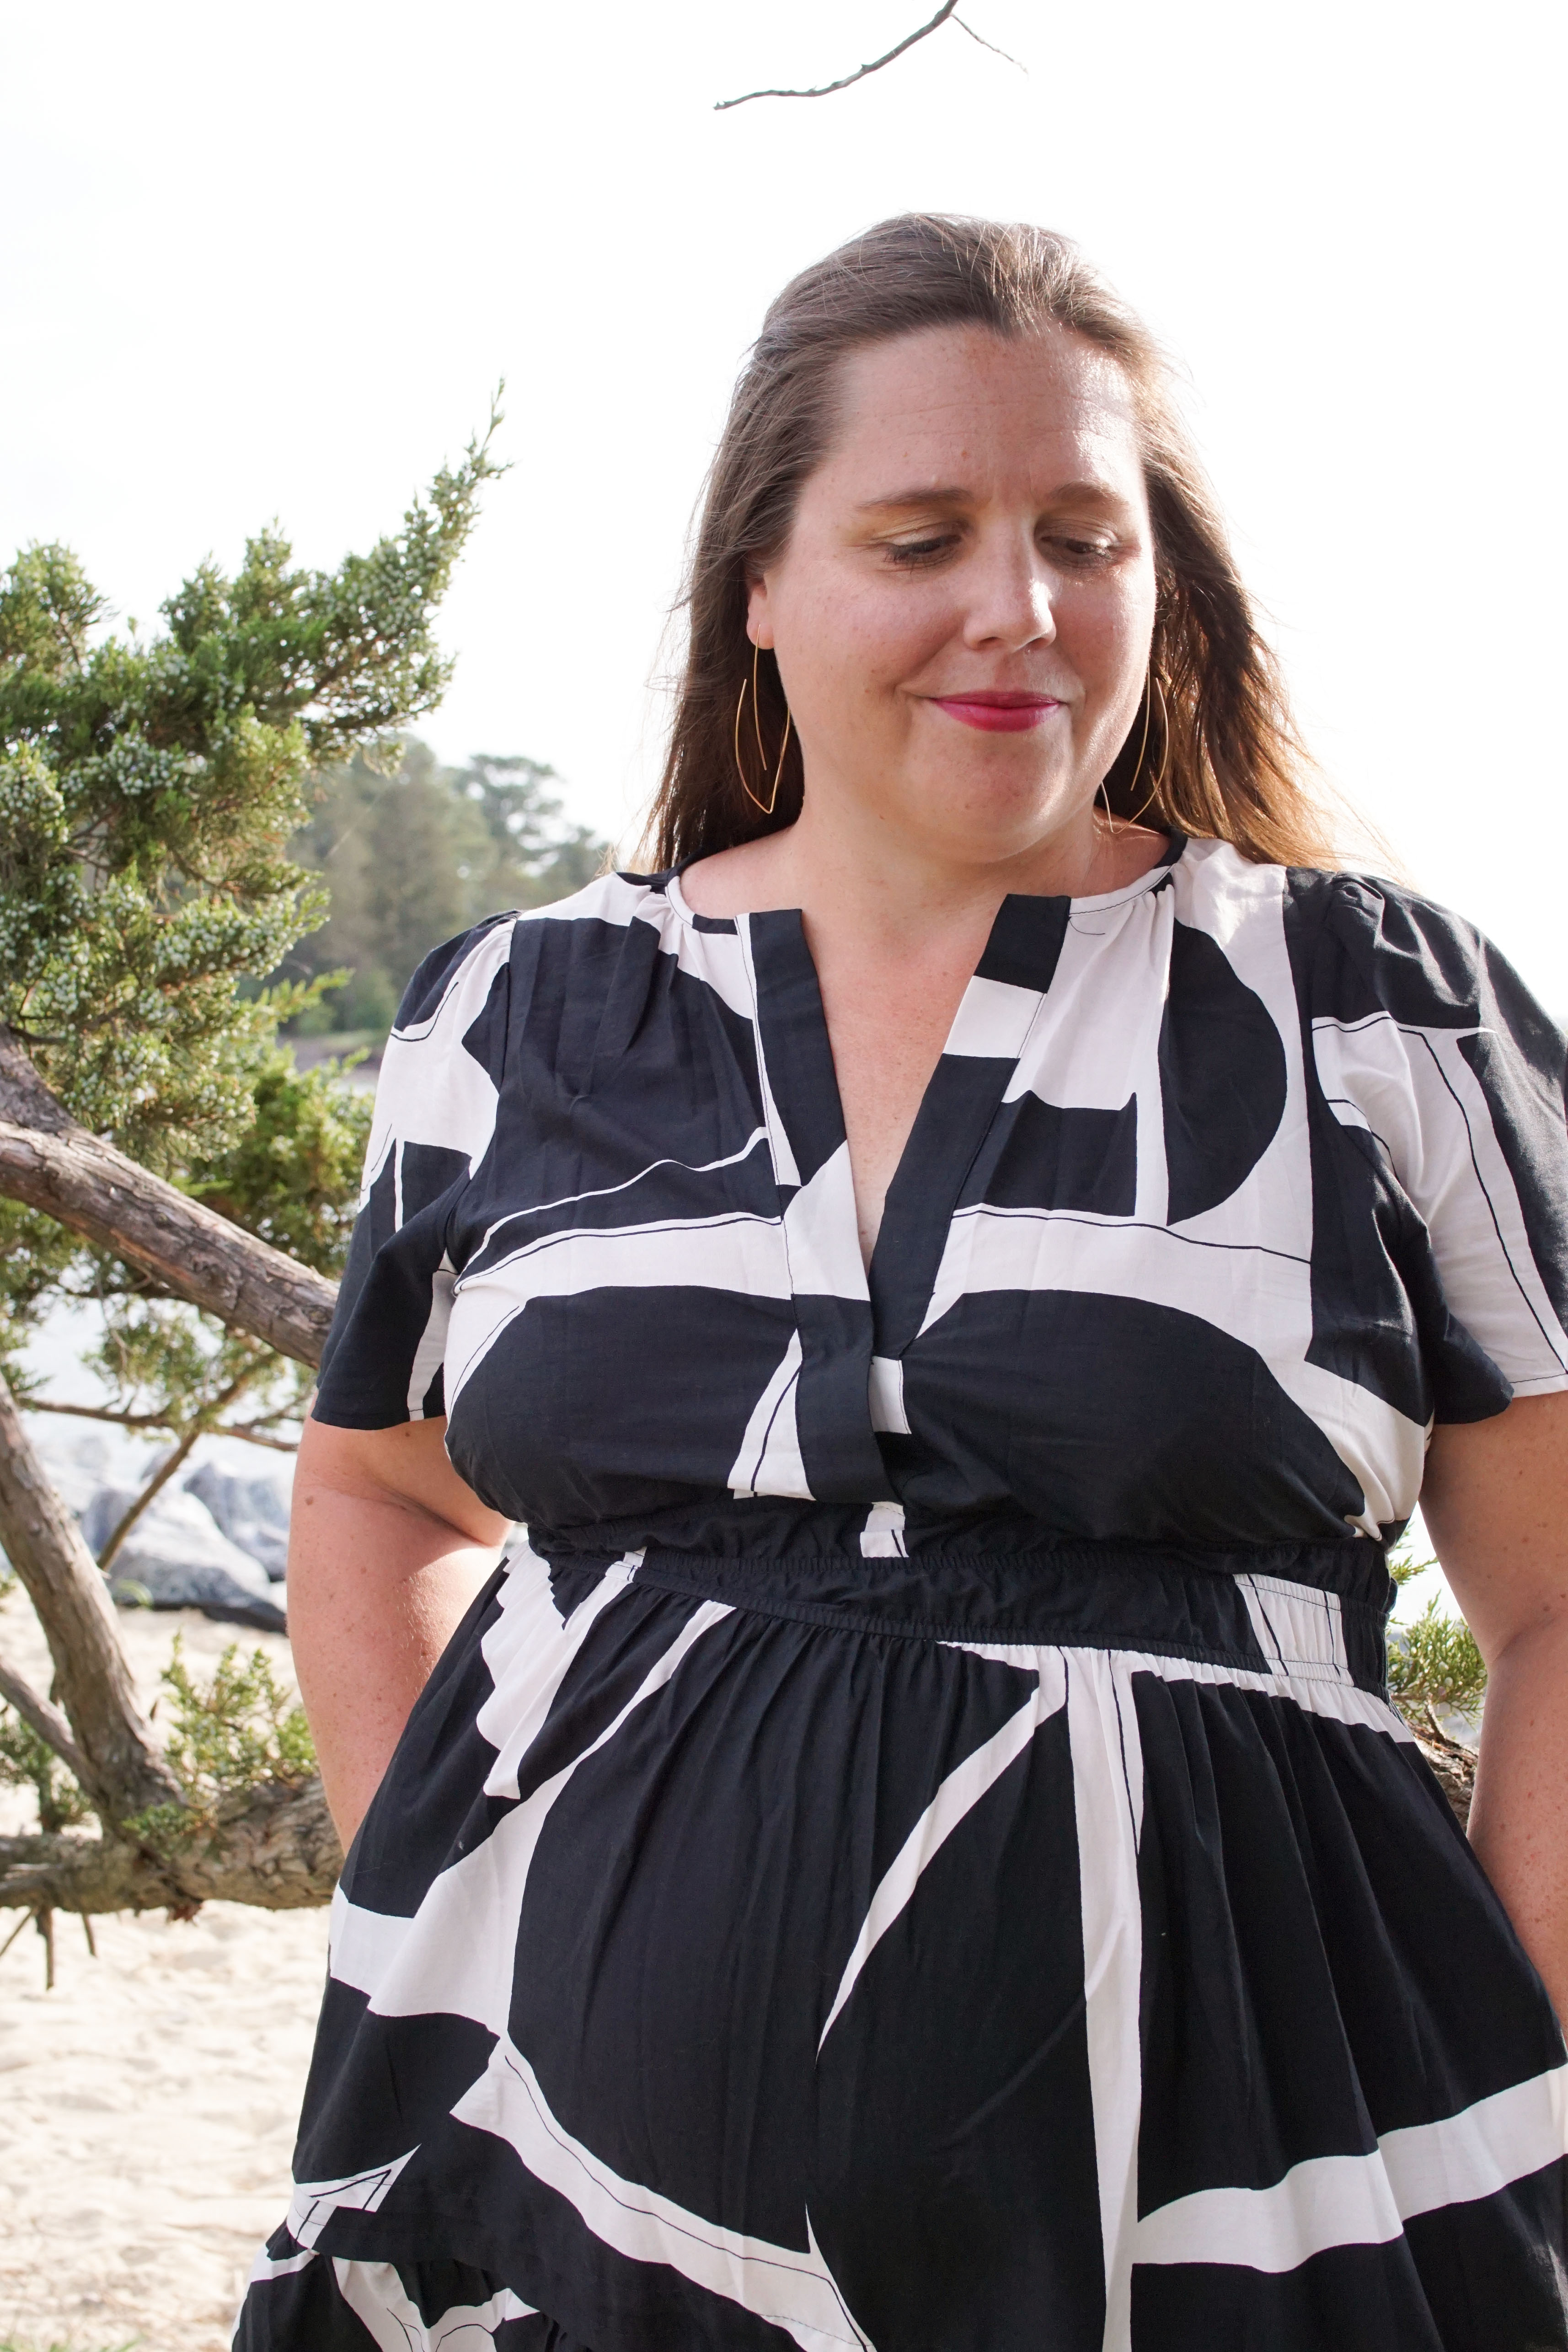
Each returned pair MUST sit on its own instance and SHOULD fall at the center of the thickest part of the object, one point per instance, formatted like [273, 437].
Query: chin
[995, 816]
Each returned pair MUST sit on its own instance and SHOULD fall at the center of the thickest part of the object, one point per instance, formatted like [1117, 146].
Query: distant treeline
[412, 857]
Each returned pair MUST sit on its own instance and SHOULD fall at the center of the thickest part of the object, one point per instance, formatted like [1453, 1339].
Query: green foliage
[184, 1371]
[238, 1734]
[38, 1259]
[148, 792]
[241, 1730]
[175, 813]
[1436, 1664]
[28, 1762]
[413, 854]
[292, 1175]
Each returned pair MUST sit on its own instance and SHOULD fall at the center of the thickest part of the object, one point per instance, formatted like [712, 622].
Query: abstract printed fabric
[912, 1853]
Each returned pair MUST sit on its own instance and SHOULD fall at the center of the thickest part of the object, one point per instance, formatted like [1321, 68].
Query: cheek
[1108, 636]
[851, 649]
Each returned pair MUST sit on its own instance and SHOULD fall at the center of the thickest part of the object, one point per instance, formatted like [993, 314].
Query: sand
[147, 2104]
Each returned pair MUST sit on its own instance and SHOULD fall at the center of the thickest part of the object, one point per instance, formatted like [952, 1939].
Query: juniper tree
[158, 1154]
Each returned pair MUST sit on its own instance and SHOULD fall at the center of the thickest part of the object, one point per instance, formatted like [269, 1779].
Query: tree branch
[137, 1503]
[43, 1718]
[848, 81]
[97, 1412]
[256, 1433]
[51, 1163]
[1453, 1766]
[1006, 55]
[277, 1849]
[121, 1769]
[250, 1433]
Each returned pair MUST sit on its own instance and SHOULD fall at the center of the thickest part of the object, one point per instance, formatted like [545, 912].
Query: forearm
[1519, 1821]
[377, 1582]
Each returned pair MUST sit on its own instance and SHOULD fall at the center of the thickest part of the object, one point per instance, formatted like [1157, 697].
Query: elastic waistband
[1316, 1612]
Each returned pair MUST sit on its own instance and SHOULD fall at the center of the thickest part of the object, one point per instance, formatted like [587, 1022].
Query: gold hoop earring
[769, 805]
[1154, 685]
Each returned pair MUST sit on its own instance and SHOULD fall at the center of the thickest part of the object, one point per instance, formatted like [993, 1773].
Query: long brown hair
[1218, 734]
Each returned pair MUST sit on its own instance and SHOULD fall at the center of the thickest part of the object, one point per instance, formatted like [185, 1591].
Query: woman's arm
[387, 1547]
[1496, 1502]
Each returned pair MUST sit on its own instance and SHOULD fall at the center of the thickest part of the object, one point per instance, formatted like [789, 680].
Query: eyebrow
[957, 495]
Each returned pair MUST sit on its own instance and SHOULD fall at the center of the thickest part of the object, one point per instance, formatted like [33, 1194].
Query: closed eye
[1083, 551]
[913, 551]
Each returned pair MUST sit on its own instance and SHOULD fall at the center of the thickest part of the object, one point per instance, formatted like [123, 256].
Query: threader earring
[1151, 687]
[1156, 683]
[768, 805]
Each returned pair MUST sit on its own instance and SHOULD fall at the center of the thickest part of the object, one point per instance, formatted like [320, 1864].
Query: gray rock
[249, 1511]
[177, 1557]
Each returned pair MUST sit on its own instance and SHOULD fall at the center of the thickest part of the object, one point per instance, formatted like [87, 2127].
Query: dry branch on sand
[270, 1844]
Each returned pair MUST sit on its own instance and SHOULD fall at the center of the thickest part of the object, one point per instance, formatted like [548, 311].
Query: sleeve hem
[1534, 1385]
[347, 1417]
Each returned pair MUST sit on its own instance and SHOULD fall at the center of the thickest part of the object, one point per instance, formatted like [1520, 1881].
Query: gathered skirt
[1039, 1949]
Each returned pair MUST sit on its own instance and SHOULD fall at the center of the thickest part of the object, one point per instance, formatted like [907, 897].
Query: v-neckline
[960, 1099]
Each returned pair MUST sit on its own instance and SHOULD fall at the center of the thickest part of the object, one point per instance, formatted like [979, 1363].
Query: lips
[998, 713]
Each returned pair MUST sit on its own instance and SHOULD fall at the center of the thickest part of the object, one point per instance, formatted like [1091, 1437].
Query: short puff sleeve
[1426, 1040]
[434, 1121]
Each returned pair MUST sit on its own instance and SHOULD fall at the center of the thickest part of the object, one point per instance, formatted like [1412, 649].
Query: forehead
[949, 405]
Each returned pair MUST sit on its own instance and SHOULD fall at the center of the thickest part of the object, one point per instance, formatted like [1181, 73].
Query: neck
[846, 867]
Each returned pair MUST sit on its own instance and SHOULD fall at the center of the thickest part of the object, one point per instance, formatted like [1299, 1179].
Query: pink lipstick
[998, 713]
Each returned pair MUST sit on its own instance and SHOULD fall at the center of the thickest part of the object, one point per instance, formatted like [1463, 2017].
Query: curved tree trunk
[49, 1163]
[275, 1846]
[119, 1763]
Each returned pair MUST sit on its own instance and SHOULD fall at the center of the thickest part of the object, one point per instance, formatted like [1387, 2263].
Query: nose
[1009, 603]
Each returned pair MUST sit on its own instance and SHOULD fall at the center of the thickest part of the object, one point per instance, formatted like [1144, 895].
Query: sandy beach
[147, 2104]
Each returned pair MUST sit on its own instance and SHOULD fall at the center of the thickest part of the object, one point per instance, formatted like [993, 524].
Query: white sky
[270, 262]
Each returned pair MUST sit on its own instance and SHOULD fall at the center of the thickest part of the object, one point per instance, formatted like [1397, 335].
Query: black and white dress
[912, 1853]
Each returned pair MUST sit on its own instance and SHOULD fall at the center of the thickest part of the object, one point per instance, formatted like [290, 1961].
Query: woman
[958, 1273]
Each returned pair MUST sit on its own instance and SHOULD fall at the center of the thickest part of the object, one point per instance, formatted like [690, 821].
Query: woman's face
[962, 614]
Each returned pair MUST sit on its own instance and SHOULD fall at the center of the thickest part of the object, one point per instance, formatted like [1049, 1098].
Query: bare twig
[255, 1434]
[42, 1717]
[155, 1486]
[848, 80]
[1006, 55]
[16, 1931]
[250, 1433]
[95, 1412]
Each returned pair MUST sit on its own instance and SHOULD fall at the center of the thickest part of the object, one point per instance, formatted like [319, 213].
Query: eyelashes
[909, 553]
[915, 554]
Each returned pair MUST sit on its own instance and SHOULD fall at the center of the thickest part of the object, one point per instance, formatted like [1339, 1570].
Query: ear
[758, 613]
